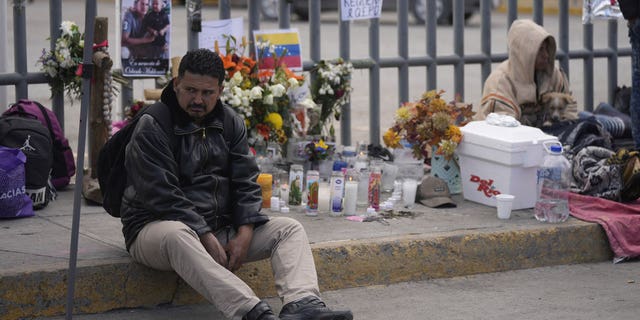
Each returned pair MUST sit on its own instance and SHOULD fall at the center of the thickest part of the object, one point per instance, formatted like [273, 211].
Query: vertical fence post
[485, 34]
[432, 65]
[612, 60]
[403, 51]
[20, 47]
[55, 20]
[587, 39]
[563, 37]
[458, 36]
[345, 53]
[3, 52]
[194, 22]
[374, 81]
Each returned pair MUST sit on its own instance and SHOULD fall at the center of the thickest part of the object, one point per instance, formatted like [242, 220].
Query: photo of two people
[145, 37]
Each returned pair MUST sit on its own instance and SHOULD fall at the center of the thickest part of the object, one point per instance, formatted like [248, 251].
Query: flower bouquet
[430, 123]
[317, 150]
[60, 65]
[330, 89]
[260, 96]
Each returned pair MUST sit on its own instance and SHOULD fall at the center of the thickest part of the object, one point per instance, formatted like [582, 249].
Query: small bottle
[296, 176]
[313, 188]
[375, 186]
[553, 185]
[337, 192]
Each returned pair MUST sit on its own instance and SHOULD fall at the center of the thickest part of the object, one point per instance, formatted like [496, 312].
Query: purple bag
[64, 165]
[14, 201]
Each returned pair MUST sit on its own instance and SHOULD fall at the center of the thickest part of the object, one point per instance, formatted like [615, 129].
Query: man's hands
[238, 246]
[214, 248]
[233, 255]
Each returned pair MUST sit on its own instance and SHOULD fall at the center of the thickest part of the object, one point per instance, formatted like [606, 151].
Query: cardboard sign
[360, 9]
[219, 30]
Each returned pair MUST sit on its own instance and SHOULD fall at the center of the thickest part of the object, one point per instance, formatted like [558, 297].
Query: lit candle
[324, 196]
[265, 182]
[350, 197]
[284, 192]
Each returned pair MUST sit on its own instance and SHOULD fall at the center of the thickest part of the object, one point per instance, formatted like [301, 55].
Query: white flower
[268, 99]
[237, 91]
[236, 79]
[256, 93]
[235, 101]
[293, 83]
[245, 101]
[67, 28]
[278, 90]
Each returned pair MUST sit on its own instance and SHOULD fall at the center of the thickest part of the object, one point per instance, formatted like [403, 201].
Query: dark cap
[434, 192]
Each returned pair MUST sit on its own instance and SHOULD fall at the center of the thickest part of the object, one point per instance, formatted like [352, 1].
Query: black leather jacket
[630, 8]
[200, 179]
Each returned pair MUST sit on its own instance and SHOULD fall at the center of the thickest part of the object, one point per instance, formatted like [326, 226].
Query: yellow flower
[321, 144]
[391, 138]
[430, 95]
[275, 119]
[403, 114]
[441, 121]
[453, 133]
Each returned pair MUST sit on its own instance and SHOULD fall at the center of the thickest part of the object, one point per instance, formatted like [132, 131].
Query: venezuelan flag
[287, 47]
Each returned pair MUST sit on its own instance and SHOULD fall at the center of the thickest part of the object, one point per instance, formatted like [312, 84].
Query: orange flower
[263, 130]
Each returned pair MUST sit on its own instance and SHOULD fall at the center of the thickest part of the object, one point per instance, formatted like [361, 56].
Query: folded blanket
[621, 222]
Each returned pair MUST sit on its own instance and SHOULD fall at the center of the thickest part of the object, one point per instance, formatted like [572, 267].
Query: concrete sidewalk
[430, 243]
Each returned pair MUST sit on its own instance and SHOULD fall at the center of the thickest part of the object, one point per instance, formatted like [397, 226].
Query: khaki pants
[171, 245]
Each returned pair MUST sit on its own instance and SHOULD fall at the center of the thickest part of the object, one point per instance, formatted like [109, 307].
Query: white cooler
[496, 160]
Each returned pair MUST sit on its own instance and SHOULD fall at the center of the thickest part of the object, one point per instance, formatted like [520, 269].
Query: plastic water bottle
[554, 182]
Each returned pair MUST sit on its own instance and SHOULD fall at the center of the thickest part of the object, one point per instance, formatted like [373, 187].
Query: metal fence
[20, 78]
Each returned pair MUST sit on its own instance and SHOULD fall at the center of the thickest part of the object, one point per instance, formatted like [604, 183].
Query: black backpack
[64, 166]
[112, 175]
[30, 136]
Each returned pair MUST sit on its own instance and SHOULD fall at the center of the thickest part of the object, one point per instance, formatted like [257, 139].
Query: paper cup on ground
[504, 203]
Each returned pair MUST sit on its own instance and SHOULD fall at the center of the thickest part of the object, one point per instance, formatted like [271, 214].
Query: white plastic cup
[504, 203]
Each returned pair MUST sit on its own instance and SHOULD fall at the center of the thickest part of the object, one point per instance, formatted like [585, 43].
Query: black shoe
[312, 308]
[262, 311]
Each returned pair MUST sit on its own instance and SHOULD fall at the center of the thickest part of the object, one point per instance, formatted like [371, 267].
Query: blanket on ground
[621, 222]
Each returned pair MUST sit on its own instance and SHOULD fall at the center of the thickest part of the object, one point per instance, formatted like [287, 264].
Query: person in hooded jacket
[631, 12]
[192, 204]
[517, 85]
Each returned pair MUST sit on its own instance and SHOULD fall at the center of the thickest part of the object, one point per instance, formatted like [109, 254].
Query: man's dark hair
[202, 62]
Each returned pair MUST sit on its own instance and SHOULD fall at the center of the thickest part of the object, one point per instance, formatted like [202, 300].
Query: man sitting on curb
[192, 204]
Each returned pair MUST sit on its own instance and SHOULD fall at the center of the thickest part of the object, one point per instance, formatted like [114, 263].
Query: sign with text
[220, 30]
[145, 34]
[360, 9]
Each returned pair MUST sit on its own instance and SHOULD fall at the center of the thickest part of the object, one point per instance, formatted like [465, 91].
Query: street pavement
[585, 291]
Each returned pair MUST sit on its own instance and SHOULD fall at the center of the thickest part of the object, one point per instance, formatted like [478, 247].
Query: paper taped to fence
[600, 10]
[219, 30]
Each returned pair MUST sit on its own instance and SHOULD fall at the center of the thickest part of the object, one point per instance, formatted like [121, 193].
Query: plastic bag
[14, 201]
[600, 10]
